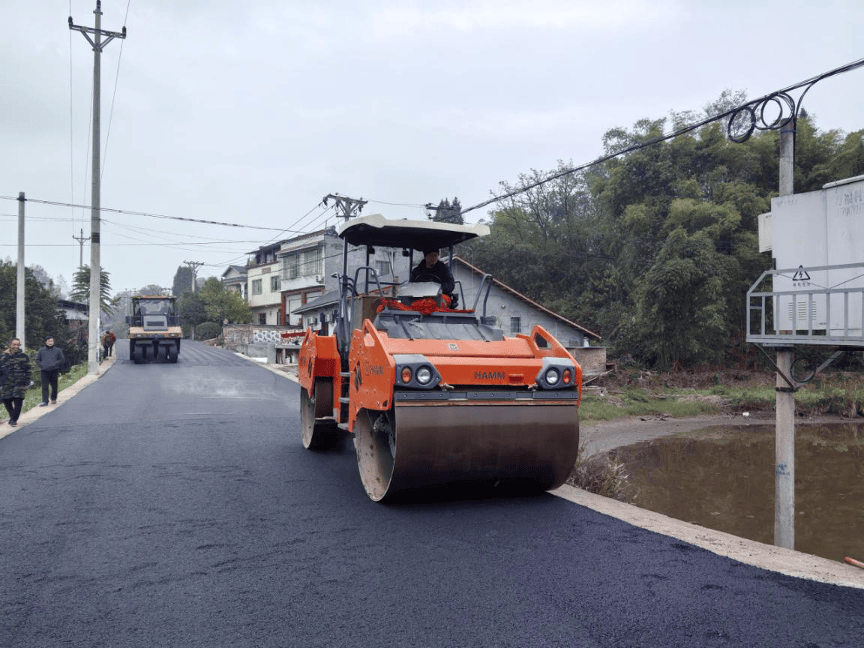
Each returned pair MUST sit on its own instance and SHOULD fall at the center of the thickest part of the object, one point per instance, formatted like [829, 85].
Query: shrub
[206, 331]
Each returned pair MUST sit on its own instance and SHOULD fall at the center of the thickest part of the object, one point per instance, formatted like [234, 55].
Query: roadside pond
[723, 478]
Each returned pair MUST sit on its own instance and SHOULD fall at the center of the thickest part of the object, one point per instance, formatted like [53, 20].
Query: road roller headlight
[556, 374]
[415, 371]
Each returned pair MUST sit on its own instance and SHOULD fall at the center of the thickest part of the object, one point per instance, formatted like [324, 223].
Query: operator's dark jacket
[440, 271]
[49, 359]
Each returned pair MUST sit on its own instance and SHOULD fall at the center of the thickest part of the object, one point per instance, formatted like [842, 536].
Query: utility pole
[22, 277]
[784, 445]
[95, 262]
[194, 266]
[81, 241]
[348, 206]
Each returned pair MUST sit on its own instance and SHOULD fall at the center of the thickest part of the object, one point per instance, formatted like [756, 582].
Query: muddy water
[723, 478]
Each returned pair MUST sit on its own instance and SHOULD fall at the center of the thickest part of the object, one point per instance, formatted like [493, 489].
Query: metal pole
[22, 277]
[784, 449]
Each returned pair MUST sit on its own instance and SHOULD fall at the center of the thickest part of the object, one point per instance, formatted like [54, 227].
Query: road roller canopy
[376, 230]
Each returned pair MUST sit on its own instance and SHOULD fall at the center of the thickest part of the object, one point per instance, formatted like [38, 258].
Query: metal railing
[816, 310]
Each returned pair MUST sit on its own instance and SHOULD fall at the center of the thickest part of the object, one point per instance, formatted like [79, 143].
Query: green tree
[447, 212]
[681, 307]
[656, 248]
[183, 281]
[192, 310]
[81, 289]
[223, 305]
[151, 290]
[43, 317]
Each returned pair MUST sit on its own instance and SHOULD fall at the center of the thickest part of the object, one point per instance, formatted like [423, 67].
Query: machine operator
[431, 268]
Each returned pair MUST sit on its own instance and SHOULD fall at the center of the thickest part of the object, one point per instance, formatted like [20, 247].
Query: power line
[114, 95]
[775, 96]
[149, 214]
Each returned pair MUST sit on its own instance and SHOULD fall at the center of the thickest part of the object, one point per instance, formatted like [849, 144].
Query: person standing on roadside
[15, 375]
[111, 340]
[51, 361]
[105, 340]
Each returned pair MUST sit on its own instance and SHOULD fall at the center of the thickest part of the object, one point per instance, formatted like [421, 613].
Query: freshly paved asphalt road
[174, 505]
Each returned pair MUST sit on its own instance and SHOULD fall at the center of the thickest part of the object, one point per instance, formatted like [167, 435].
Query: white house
[264, 279]
[234, 278]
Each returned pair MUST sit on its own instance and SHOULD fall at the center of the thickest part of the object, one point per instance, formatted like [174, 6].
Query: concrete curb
[764, 556]
[62, 397]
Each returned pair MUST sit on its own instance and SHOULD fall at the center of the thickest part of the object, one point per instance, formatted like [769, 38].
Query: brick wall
[254, 340]
[592, 360]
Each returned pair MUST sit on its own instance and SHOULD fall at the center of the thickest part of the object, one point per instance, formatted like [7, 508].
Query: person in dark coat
[106, 343]
[51, 361]
[431, 269]
[15, 376]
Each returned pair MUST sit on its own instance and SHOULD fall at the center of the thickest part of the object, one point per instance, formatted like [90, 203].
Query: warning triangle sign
[801, 275]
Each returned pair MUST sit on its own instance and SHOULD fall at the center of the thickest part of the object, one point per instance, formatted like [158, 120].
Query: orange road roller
[433, 395]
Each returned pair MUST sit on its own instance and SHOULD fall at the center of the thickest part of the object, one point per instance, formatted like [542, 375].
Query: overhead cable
[661, 138]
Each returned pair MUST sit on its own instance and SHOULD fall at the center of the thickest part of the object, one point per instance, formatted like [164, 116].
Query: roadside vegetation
[654, 249]
[710, 391]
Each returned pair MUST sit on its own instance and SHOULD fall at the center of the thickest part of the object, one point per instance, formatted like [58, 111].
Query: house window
[382, 267]
[274, 283]
[312, 262]
[292, 266]
[515, 324]
[256, 287]
[262, 318]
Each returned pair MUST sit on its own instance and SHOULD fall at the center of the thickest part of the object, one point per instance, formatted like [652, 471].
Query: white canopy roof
[376, 230]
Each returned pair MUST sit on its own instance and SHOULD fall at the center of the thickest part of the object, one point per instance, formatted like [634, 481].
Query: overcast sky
[250, 112]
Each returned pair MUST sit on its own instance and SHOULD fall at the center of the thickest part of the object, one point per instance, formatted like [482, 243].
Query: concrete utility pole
[81, 241]
[784, 446]
[22, 277]
[348, 206]
[194, 266]
[95, 262]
